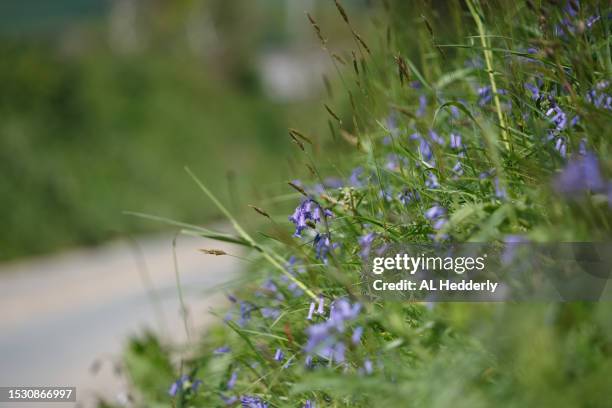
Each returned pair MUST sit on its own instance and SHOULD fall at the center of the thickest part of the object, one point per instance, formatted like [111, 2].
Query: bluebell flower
[422, 106]
[229, 400]
[184, 382]
[558, 117]
[407, 196]
[365, 242]
[321, 306]
[458, 168]
[222, 350]
[231, 383]
[436, 138]
[455, 141]
[367, 366]
[309, 404]
[270, 312]
[485, 95]
[248, 401]
[581, 174]
[323, 246]
[435, 212]
[432, 181]
[355, 178]
[323, 338]
[279, 355]
[535, 91]
[500, 192]
[561, 146]
[356, 337]
[311, 311]
[308, 210]
[425, 149]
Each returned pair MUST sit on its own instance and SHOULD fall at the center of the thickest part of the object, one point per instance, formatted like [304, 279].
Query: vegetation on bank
[483, 122]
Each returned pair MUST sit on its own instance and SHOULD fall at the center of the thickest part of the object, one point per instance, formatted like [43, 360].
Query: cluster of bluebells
[309, 213]
[184, 384]
[326, 339]
[571, 23]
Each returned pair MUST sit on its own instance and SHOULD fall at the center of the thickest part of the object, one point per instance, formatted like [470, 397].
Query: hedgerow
[496, 129]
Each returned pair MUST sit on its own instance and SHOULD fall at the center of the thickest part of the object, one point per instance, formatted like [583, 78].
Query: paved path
[62, 313]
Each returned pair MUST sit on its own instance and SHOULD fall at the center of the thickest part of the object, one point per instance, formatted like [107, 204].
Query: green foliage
[398, 163]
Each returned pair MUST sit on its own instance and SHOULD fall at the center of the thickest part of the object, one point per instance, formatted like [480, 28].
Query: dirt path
[62, 313]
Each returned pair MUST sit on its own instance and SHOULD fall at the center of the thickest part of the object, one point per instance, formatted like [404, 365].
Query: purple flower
[279, 355]
[484, 95]
[308, 210]
[356, 337]
[323, 246]
[436, 138]
[458, 168]
[311, 311]
[425, 150]
[309, 404]
[270, 312]
[222, 350]
[432, 180]
[455, 141]
[323, 338]
[407, 196]
[248, 401]
[181, 383]
[435, 212]
[355, 178]
[561, 146]
[535, 91]
[229, 400]
[558, 117]
[581, 174]
[365, 241]
[422, 106]
[321, 307]
[367, 367]
[232, 380]
[500, 191]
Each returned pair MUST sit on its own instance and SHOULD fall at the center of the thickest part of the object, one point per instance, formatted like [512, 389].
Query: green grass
[411, 354]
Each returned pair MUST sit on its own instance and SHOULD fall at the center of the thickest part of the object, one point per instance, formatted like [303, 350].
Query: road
[62, 313]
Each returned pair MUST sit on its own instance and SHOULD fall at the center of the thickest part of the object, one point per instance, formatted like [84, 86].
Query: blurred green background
[103, 103]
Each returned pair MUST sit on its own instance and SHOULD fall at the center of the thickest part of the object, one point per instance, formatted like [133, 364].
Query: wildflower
[323, 246]
[484, 95]
[229, 400]
[500, 191]
[245, 312]
[270, 312]
[425, 149]
[558, 117]
[455, 141]
[222, 350]
[183, 383]
[231, 383]
[435, 212]
[248, 401]
[308, 210]
[432, 181]
[323, 337]
[365, 242]
[436, 138]
[458, 168]
[386, 194]
[407, 196]
[309, 404]
[561, 146]
[367, 366]
[355, 178]
[311, 311]
[321, 308]
[422, 106]
[394, 162]
[535, 91]
[580, 175]
[356, 337]
[279, 355]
